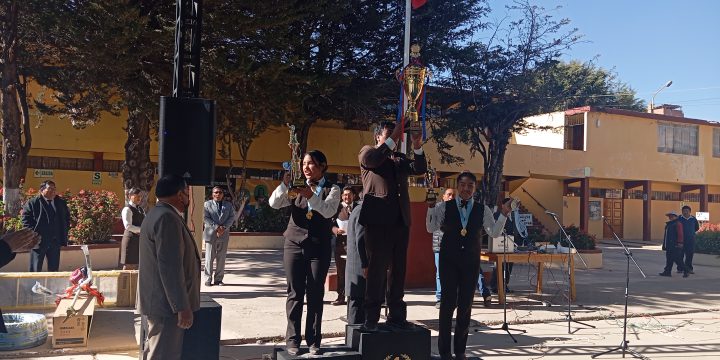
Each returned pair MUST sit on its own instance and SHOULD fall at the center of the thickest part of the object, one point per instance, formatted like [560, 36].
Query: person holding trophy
[385, 214]
[307, 249]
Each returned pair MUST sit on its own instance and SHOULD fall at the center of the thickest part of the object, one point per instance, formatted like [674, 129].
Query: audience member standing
[690, 227]
[347, 206]
[673, 245]
[437, 235]
[219, 216]
[48, 215]
[132, 217]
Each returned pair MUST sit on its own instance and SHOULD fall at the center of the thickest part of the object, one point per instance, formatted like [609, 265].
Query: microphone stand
[505, 326]
[569, 265]
[624, 344]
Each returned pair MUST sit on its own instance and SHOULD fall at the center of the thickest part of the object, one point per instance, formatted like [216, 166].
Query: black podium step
[328, 352]
[389, 342]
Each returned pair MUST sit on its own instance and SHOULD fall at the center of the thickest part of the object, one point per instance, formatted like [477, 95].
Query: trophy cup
[413, 79]
[296, 176]
[430, 183]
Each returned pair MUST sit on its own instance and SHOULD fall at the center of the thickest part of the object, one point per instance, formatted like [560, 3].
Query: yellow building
[630, 167]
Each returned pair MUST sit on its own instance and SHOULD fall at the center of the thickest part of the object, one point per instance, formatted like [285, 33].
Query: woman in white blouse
[132, 217]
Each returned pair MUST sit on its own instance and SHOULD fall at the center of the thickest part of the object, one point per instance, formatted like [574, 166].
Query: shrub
[263, 219]
[581, 239]
[91, 215]
[708, 242]
[536, 235]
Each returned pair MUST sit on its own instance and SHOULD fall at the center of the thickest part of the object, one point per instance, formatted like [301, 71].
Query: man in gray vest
[219, 216]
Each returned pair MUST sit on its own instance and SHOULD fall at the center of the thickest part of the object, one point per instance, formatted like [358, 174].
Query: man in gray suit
[169, 271]
[355, 268]
[219, 216]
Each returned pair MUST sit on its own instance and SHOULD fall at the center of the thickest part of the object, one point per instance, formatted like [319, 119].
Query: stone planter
[242, 240]
[706, 260]
[593, 258]
[103, 257]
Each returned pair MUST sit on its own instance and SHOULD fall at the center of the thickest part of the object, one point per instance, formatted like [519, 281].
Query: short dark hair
[219, 188]
[46, 183]
[350, 189]
[169, 185]
[506, 200]
[686, 207]
[134, 191]
[319, 158]
[384, 125]
[468, 175]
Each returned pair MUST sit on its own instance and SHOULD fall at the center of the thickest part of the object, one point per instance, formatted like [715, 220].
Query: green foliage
[536, 235]
[92, 214]
[581, 239]
[263, 219]
[708, 242]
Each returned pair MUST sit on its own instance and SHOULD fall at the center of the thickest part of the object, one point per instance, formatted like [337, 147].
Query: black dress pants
[386, 248]
[37, 258]
[459, 271]
[340, 250]
[355, 311]
[674, 255]
[689, 250]
[306, 266]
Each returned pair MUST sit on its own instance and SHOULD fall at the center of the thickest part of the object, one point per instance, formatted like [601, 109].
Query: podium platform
[387, 342]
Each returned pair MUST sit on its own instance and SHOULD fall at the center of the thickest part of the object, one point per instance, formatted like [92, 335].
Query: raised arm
[371, 157]
[279, 197]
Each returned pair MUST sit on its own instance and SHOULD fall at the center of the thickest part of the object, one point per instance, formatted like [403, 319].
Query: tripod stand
[624, 344]
[504, 326]
[569, 265]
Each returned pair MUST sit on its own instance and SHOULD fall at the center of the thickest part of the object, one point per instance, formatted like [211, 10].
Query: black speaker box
[202, 339]
[187, 139]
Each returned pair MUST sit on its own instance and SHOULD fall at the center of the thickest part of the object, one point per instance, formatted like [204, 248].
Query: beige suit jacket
[169, 268]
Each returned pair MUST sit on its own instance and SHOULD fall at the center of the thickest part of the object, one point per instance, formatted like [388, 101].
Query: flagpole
[406, 57]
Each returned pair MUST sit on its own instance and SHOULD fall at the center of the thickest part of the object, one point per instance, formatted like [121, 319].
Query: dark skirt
[130, 248]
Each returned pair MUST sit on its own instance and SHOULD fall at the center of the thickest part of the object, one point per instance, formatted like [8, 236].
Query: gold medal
[463, 232]
[309, 215]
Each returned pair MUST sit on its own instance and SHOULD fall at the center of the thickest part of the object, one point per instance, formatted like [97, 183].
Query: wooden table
[529, 257]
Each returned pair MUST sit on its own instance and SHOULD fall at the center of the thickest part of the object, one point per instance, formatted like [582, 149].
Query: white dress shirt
[436, 216]
[127, 216]
[327, 208]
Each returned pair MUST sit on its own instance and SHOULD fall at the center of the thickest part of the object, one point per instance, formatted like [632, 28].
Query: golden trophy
[413, 79]
[296, 176]
[430, 182]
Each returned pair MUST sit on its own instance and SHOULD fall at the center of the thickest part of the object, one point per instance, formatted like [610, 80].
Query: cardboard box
[127, 288]
[72, 331]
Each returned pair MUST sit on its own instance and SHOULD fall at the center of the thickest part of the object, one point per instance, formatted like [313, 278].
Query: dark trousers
[386, 248]
[508, 270]
[674, 255]
[340, 246]
[355, 311]
[37, 258]
[459, 272]
[689, 251]
[306, 266]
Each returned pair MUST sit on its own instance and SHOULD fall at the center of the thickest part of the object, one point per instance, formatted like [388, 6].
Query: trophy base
[297, 183]
[415, 127]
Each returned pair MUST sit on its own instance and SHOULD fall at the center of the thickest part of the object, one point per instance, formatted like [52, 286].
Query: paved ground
[672, 317]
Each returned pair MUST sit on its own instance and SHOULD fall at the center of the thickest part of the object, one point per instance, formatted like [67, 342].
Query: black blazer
[36, 217]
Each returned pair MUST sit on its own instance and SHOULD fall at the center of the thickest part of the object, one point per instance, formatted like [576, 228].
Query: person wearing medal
[306, 256]
[463, 222]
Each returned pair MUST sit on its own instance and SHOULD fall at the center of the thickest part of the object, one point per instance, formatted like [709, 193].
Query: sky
[648, 43]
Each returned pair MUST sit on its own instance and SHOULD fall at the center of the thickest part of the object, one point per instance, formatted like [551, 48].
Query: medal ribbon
[464, 211]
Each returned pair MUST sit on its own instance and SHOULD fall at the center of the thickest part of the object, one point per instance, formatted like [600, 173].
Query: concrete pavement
[669, 316]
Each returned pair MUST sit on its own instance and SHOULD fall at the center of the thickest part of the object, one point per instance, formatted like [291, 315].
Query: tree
[116, 59]
[506, 80]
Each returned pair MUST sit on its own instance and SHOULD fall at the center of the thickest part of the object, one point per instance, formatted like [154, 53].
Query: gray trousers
[164, 339]
[215, 251]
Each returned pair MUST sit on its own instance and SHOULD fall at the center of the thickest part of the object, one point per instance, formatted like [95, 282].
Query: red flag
[418, 3]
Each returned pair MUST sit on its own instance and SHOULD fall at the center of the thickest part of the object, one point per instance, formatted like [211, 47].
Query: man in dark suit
[347, 206]
[48, 215]
[355, 268]
[169, 280]
[218, 217]
[386, 217]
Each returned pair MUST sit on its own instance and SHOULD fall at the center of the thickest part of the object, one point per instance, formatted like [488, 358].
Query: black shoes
[400, 324]
[487, 301]
[208, 283]
[665, 273]
[437, 304]
[685, 274]
[339, 301]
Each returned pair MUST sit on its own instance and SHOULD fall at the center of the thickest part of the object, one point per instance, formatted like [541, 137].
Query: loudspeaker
[187, 139]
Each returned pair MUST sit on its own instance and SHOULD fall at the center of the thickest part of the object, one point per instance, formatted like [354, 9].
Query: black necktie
[51, 209]
[463, 203]
[219, 205]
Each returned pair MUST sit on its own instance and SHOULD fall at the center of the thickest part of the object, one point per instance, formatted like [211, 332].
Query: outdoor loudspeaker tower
[187, 139]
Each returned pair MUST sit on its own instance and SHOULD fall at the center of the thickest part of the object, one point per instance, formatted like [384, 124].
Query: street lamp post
[652, 101]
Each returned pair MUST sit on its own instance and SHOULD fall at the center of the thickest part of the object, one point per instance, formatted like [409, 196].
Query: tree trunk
[15, 125]
[304, 135]
[493, 178]
[138, 170]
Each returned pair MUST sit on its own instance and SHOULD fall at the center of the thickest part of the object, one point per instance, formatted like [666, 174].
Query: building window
[716, 142]
[575, 132]
[677, 138]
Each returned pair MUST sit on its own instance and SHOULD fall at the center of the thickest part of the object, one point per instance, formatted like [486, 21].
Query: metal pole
[406, 56]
